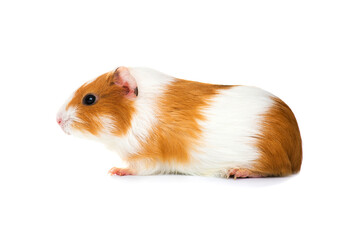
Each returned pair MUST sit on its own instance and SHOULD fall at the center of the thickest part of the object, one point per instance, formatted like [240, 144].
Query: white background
[55, 186]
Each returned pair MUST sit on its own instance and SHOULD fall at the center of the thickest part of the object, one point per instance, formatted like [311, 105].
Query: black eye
[89, 99]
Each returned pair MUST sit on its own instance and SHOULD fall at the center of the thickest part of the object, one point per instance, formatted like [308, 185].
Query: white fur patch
[108, 124]
[233, 118]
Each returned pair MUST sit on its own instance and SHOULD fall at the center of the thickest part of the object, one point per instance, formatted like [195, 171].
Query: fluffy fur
[180, 126]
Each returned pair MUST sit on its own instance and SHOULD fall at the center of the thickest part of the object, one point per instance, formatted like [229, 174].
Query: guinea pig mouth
[65, 126]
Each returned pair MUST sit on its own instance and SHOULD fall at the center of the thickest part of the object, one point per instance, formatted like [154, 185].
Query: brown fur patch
[110, 103]
[178, 129]
[280, 142]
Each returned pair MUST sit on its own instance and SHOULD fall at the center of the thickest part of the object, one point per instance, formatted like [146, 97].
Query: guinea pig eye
[89, 99]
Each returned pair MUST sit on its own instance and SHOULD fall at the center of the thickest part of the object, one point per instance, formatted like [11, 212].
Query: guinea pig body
[159, 124]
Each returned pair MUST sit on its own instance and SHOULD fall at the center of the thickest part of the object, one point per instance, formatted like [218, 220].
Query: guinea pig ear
[123, 78]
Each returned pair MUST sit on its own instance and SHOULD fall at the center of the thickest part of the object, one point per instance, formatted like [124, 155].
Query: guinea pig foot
[242, 173]
[120, 171]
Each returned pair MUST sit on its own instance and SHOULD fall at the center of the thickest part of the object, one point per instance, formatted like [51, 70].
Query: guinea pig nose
[59, 120]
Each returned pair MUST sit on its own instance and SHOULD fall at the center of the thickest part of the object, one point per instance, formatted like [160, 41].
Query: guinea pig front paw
[120, 171]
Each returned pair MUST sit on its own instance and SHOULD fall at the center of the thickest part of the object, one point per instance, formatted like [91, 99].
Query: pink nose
[59, 120]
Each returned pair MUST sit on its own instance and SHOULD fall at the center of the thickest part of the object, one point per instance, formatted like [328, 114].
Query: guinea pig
[159, 124]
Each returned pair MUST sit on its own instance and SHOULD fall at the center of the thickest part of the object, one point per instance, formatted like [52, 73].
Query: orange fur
[177, 130]
[110, 103]
[280, 142]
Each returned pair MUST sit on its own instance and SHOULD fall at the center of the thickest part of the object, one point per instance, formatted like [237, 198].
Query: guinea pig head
[102, 106]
